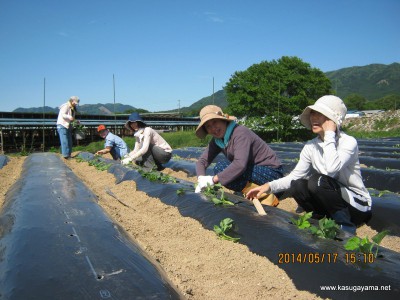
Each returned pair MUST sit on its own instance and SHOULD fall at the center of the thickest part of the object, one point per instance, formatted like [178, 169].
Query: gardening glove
[126, 161]
[202, 182]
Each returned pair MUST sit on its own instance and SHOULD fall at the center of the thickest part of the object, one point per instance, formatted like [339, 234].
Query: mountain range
[373, 82]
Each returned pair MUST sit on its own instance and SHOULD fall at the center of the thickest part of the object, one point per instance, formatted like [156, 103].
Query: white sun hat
[330, 106]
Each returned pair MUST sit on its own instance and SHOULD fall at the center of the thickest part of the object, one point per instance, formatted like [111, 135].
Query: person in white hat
[335, 188]
[250, 161]
[113, 144]
[65, 117]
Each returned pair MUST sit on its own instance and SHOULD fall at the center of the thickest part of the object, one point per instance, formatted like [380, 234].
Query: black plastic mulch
[3, 160]
[57, 243]
[275, 238]
[385, 209]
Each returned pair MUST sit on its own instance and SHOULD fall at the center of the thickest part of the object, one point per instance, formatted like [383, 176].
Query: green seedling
[212, 190]
[389, 169]
[224, 226]
[222, 200]
[182, 191]
[157, 176]
[93, 162]
[103, 166]
[364, 245]
[381, 193]
[99, 165]
[302, 222]
[76, 125]
[79, 159]
[327, 228]
[378, 194]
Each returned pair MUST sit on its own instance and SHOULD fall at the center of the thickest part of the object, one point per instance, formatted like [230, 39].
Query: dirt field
[199, 264]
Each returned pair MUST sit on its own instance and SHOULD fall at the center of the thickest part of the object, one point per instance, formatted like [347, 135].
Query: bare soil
[200, 265]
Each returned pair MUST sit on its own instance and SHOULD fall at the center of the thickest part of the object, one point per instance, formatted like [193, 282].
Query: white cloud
[62, 33]
[213, 17]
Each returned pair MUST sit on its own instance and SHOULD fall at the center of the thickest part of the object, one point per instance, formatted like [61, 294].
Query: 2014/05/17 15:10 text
[317, 258]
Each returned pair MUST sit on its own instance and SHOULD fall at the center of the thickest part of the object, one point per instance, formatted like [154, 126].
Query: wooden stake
[259, 207]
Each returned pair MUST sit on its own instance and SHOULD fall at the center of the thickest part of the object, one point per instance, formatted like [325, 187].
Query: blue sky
[165, 53]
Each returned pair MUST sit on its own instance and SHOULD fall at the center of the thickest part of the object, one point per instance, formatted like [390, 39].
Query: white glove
[202, 182]
[126, 161]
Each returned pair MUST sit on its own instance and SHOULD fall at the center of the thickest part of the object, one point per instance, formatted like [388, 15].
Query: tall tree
[389, 102]
[276, 90]
[355, 101]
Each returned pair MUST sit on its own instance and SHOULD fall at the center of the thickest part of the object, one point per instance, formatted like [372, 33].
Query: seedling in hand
[212, 190]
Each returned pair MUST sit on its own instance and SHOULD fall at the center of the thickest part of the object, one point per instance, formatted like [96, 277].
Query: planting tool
[259, 207]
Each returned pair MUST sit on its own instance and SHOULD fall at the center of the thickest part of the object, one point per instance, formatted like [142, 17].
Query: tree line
[268, 96]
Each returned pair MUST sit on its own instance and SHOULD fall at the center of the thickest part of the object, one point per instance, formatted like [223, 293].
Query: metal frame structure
[21, 132]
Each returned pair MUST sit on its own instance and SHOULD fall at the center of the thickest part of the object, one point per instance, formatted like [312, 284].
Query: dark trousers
[321, 194]
[154, 158]
[256, 174]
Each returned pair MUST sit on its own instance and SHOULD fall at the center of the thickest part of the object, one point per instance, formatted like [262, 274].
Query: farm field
[200, 265]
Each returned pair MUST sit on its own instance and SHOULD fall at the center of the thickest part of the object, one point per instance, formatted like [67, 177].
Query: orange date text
[307, 258]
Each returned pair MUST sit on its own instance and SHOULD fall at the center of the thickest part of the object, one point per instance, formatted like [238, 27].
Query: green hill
[86, 109]
[219, 99]
[373, 81]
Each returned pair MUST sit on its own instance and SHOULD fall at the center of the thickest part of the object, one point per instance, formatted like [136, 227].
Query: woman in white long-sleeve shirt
[327, 179]
[151, 150]
[66, 116]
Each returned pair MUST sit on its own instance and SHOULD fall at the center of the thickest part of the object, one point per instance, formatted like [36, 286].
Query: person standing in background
[66, 116]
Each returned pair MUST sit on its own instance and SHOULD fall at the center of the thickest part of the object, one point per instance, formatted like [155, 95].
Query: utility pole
[179, 107]
[279, 94]
[44, 104]
[213, 91]
[115, 116]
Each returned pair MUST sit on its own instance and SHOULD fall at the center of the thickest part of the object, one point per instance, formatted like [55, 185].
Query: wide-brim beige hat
[330, 106]
[208, 113]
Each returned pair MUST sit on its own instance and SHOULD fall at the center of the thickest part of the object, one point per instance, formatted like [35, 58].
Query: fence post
[1, 141]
